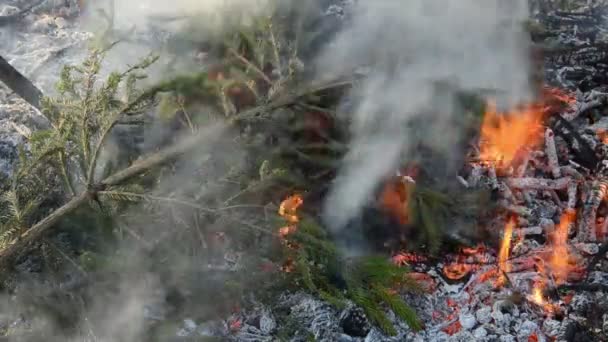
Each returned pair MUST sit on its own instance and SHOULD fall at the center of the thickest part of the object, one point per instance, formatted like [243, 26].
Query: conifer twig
[251, 65]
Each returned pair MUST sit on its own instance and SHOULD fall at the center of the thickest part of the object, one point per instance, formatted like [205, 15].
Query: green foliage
[320, 268]
[81, 119]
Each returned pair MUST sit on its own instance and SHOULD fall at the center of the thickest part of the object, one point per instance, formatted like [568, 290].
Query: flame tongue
[503, 255]
[560, 259]
[504, 134]
[289, 206]
[396, 196]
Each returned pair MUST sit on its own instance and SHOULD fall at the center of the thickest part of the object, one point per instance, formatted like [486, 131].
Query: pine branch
[398, 306]
[35, 232]
[373, 311]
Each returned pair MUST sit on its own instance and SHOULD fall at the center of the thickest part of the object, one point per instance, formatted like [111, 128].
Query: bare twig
[252, 66]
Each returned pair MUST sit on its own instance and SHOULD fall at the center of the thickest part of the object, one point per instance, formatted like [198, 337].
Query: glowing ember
[456, 271]
[560, 259]
[405, 258]
[503, 255]
[473, 250]
[559, 94]
[533, 337]
[284, 231]
[504, 134]
[469, 259]
[288, 208]
[453, 328]
[602, 135]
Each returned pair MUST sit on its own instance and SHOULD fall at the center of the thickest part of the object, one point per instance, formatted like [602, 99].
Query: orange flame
[560, 259]
[504, 134]
[602, 134]
[288, 208]
[538, 298]
[503, 255]
[395, 199]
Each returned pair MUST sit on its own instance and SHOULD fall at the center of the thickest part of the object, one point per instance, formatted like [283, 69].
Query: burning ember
[469, 259]
[559, 95]
[405, 258]
[456, 271]
[503, 135]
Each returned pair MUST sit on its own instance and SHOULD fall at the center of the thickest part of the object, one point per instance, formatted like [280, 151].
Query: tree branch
[19, 83]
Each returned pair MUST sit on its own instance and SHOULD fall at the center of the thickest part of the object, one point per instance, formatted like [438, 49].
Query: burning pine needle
[289, 206]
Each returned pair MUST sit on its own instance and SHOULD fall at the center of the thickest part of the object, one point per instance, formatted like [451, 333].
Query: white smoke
[409, 46]
[214, 14]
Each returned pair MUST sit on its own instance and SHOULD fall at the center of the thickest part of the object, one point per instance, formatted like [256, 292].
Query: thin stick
[551, 152]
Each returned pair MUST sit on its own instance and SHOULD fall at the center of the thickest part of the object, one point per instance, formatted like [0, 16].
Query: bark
[19, 83]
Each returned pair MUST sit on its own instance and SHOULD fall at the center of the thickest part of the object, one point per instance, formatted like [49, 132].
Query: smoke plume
[409, 47]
